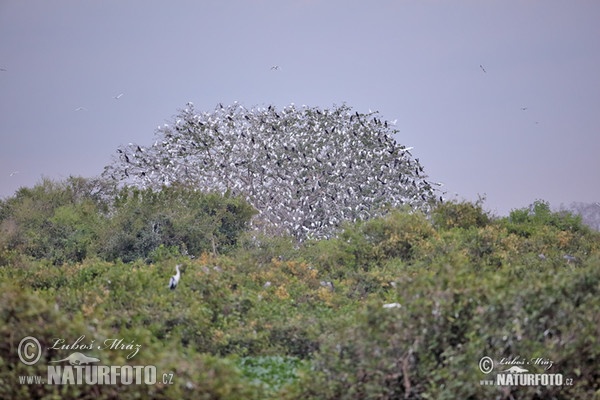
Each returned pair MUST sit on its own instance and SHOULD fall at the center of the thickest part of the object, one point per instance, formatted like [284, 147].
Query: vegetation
[79, 218]
[254, 316]
[589, 212]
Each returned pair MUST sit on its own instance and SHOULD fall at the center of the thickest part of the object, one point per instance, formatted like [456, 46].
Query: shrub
[462, 215]
[193, 221]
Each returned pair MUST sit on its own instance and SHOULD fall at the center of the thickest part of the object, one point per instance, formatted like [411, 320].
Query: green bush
[195, 222]
[68, 221]
[462, 215]
[430, 346]
[464, 292]
[55, 221]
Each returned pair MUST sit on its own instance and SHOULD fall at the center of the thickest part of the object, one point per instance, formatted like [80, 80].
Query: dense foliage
[306, 170]
[78, 218]
[274, 319]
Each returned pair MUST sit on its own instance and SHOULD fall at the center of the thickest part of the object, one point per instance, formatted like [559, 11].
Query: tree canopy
[306, 170]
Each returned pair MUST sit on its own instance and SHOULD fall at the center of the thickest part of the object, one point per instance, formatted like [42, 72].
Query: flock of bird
[306, 170]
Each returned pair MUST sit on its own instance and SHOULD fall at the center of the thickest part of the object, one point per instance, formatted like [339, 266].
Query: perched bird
[569, 258]
[175, 278]
[392, 305]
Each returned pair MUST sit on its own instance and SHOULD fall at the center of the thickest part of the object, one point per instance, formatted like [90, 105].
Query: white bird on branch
[175, 278]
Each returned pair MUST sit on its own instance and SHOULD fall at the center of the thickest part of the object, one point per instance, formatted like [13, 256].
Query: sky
[500, 99]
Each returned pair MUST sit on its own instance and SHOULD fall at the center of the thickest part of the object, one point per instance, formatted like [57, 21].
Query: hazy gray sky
[415, 61]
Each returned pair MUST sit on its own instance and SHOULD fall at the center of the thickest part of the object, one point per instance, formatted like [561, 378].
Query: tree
[176, 216]
[306, 170]
[589, 212]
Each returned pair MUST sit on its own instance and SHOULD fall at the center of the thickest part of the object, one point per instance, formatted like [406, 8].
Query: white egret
[175, 278]
[117, 97]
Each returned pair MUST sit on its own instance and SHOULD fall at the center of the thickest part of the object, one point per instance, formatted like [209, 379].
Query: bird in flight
[523, 108]
[275, 68]
[14, 173]
[117, 97]
[483, 69]
[3, 69]
[81, 109]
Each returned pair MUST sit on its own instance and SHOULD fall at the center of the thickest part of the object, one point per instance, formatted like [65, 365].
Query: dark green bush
[71, 220]
[193, 221]
[56, 221]
[431, 345]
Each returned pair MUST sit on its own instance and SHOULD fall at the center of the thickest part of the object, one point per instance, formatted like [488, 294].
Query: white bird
[81, 109]
[117, 97]
[175, 278]
[392, 305]
[14, 173]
